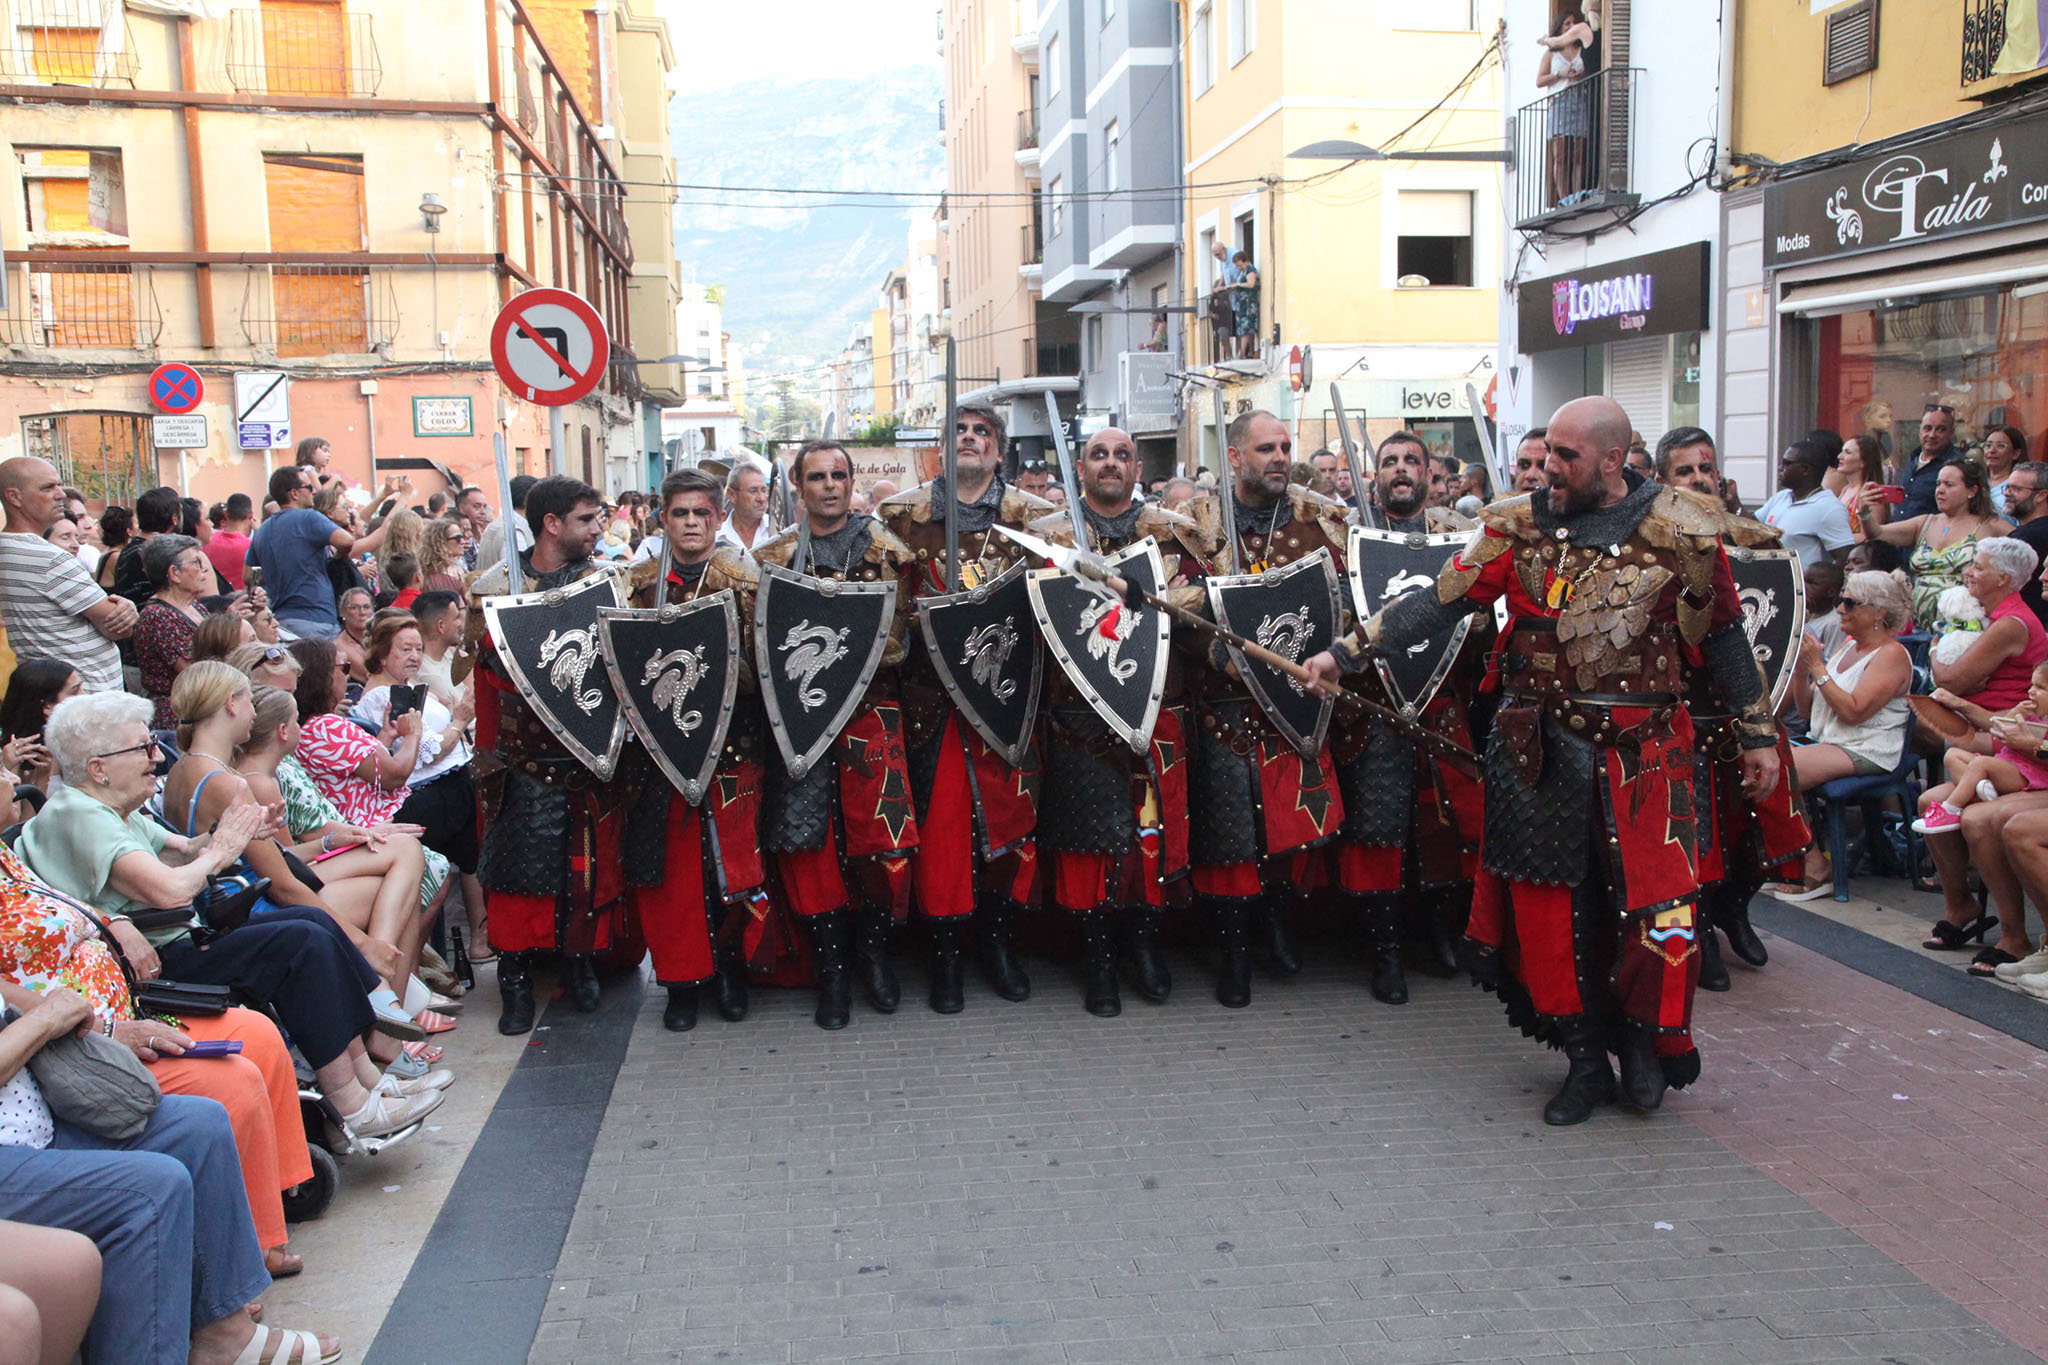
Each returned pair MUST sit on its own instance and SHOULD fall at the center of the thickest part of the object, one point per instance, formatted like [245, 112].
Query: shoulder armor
[1019, 507]
[915, 503]
[1513, 517]
[1444, 519]
[1753, 534]
[1690, 513]
[1055, 526]
[778, 551]
[730, 563]
[885, 547]
[642, 579]
[1205, 511]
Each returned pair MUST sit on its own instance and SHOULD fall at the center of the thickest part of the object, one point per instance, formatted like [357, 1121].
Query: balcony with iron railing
[68, 42]
[1574, 150]
[319, 310]
[305, 50]
[84, 306]
[1997, 54]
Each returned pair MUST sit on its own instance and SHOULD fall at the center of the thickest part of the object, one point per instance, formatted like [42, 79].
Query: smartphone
[1891, 493]
[214, 1047]
[407, 697]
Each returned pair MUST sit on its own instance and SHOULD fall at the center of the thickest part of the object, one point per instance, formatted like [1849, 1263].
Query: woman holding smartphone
[443, 784]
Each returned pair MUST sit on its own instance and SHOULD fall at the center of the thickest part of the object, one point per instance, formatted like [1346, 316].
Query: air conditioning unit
[1148, 396]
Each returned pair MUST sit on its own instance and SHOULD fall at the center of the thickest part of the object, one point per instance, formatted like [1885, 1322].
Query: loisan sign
[1665, 291]
[1993, 177]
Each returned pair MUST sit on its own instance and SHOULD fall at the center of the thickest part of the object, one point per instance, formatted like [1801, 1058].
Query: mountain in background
[798, 275]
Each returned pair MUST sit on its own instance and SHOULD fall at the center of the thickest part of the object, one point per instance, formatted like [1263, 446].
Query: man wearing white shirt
[1814, 522]
[746, 488]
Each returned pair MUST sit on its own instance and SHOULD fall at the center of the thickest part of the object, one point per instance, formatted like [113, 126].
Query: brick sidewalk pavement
[1906, 1123]
[1317, 1178]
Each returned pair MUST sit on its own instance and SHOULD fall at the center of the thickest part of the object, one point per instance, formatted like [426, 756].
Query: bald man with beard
[1611, 582]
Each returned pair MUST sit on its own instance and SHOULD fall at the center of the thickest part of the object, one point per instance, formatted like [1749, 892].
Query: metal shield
[1292, 611]
[1116, 657]
[1385, 565]
[676, 670]
[988, 657]
[549, 644]
[817, 643]
[1771, 585]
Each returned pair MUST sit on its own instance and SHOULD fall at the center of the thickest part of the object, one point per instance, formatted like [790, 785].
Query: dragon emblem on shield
[1759, 606]
[568, 655]
[1286, 635]
[809, 650]
[1108, 643]
[675, 675]
[984, 653]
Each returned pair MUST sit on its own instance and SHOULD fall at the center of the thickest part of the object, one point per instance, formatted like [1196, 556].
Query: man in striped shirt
[51, 606]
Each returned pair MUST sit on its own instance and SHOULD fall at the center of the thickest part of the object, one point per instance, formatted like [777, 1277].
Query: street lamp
[431, 209]
[1339, 149]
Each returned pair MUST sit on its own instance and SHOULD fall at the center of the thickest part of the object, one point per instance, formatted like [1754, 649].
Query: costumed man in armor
[693, 866]
[975, 813]
[1411, 818]
[843, 833]
[1256, 799]
[1609, 579]
[1113, 822]
[549, 863]
[1742, 839]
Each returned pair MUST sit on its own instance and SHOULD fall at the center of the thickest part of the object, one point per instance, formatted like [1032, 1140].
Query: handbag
[224, 906]
[191, 999]
[94, 1083]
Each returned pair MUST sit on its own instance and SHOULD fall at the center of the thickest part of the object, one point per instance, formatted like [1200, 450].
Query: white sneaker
[2036, 961]
[386, 1114]
[2035, 984]
[1986, 792]
[405, 1087]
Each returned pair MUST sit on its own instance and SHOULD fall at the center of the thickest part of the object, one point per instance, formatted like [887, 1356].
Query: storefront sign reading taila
[1993, 177]
[1665, 291]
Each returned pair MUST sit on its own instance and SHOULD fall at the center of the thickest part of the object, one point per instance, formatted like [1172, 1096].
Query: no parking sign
[175, 388]
[550, 346]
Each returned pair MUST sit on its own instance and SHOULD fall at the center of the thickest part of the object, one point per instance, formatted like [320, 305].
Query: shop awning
[1948, 277]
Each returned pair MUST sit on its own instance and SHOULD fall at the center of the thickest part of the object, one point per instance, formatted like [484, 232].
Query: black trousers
[298, 962]
[446, 807]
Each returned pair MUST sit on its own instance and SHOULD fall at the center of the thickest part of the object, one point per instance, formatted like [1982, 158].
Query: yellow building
[1883, 252]
[1389, 270]
[995, 244]
[340, 193]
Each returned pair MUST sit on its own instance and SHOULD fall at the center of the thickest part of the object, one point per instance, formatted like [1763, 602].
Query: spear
[1096, 573]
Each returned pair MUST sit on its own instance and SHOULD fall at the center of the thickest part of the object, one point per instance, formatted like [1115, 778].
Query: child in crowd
[2014, 765]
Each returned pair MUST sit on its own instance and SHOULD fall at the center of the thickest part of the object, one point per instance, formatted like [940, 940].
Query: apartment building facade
[340, 192]
[1882, 249]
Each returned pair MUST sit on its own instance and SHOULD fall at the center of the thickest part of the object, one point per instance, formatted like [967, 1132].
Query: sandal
[1988, 960]
[433, 1021]
[1949, 937]
[282, 1264]
[428, 1053]
[292, 1348]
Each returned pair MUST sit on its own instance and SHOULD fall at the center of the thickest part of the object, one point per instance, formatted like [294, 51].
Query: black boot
[1143, 962]
[579, 978]
[1270, 914]
[515, 989]
[1233, 953]
[1642, 1070]
[729, 987]
[992, 949]
[1590, 1082]
[1729, 912]
[1098, 966]
[832, 939]
[1383, 924]
[681, 1014]
[946, 968]
[1713, 971]
[871, 959]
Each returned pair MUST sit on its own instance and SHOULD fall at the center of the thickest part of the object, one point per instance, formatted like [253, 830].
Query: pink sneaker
[1938, 819]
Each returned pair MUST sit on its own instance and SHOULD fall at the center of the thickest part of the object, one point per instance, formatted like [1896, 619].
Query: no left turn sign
[549, 346]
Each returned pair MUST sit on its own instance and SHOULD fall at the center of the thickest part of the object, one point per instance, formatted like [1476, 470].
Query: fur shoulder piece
[778, 551]
[1753, 534]
[642, 577]
[915, 503]
[1690, 513]
[1194, 536]
[885, 548]
[1020, 508]
[1513, 517]
[1205, 510]
[729, 568]
[1055, 526]
[1445, 519]
[491, 582]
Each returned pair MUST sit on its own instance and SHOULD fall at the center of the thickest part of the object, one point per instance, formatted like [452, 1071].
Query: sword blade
[952, 567]
[1226, 480]
[1501, 480]
[1069, 478]
[1351, 454]
[514, 580]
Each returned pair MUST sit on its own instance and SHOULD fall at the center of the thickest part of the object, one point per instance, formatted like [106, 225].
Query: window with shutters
[76, 198]
[67, 42]
[1202, 49]
[1849, 46]
[315, 204]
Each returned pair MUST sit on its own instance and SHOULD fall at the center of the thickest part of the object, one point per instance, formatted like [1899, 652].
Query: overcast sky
[723, 45]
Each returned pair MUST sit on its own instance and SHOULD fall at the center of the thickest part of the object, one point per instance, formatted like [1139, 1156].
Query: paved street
[1316, 1178]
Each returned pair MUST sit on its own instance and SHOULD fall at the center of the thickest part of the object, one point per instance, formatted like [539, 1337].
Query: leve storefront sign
[1665, 291]
[1993, 177]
